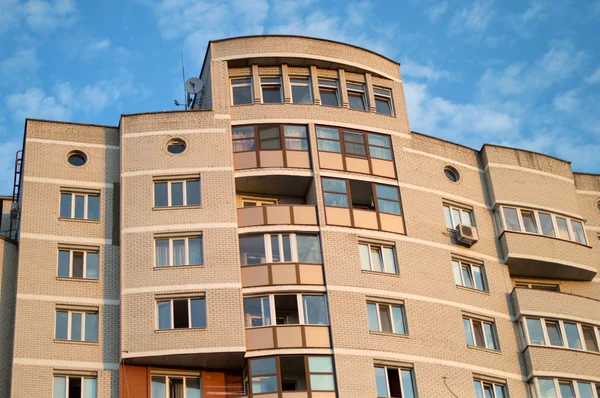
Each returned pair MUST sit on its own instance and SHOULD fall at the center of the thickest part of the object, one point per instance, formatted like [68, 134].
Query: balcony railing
[282, 274]
[277, 215]
[287, 336]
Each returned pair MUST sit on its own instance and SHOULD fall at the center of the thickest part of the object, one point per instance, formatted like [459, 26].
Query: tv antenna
[193, 85]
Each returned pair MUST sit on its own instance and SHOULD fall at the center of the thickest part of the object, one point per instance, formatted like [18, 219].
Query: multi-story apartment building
[289, 236]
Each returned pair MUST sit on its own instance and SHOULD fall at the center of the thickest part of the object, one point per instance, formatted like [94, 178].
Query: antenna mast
[185, 94]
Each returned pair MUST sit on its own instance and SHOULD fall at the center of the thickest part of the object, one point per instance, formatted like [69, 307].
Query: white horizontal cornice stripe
[73, 143]
[289, 351]
[222, 116]
[58, 181]
[310, 56]
[174, 132]
[287, 288]
[66, 364]
[207, 350]
[417, 358]
[592, 228]
[69, 239]
[527, 170]
[408, 296]
[391, 236]
[164, 172]
[553, 315]
[179, 227]
[445, 195]
[182, 288]
[268, 228]
[353, 126]
[593, 193]
[79, 300]
[455, 162]
[550, 260]
[501, 202]
[268, 172]
[360, 177]
[562, 375]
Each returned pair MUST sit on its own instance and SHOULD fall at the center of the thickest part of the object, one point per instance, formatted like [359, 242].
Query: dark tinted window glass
[78, 264]
[177, 194]
[271, 95]
[193, 193]
[64, 258]
[242, 95]
[269, 137]
[161, 194]
[286, 310]
[354, 143]
[293, 375]
[362, 195]
[180, 314]
[252, 250]
[65, 205]
[383, 106]
[356, 101]
[79, 206]
[301, 94]
[329, 97]
[93, 208]
[198, 313]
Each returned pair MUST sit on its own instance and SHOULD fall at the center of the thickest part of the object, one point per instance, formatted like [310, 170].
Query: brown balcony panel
[287, 336]
[277, 215]
[282, 274]
[543, 257]
[245, 160]
[531, 301]
[271, 159]
[545, 360]
[384, 168]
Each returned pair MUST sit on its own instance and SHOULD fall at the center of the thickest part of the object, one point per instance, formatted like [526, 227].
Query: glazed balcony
[540, 256]
[287, 336]
[277, 215]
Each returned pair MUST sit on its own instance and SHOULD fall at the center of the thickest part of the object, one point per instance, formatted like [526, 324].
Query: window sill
[474, 347]
[160, 331]
[83, 220]
[91, 343]
[384, 114]
[364, 271]
[163, 208]
[71, 279]
[470, 289]
[390, 334]
[179, 266]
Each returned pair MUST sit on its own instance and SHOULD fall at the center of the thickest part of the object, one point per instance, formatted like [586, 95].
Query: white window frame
[308, 85]
[381, 246]
[271, 84]
[484, 383]
[189, 304]
[251, 85]
[184, 191]
[172, 253]
[67, 377]
[530, 285]
[569, 221]
[299, 303]
[460, 210]
[404, 322]
[85, 204]
[363, 94]
[557, 381]
[389, 98]
[70, 324]
[167, 377]
[485, 340]
[399, 369]
[565, 343]
[470, 265]
[330, 88]
[71, 251]
[260, 201]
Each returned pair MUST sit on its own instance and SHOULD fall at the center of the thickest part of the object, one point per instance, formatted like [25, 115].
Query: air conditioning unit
[466, 234]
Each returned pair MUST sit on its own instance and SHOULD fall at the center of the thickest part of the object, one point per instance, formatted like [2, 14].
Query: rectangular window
[179, 251]
[76, 325]
[181, 313]
[75, 387]
[301, 90]
[271, 90]
[269, 137]
[547, 224]
[290, 373]
[328, 89]
[335, 192]
[354, 144]
[469, 275]
[395, 382]
[562, 388]
[253, 202]
[243, 138]
[377, 257]
[563, 228]
[82, 206]
[388, 197]
[286, 309]
[380, 146]
[389, 318]
[356, 96]
[590, 337]
[456, 215]
[241, 91]
[560, 333]
[328, 139]
[77, 264]
[383, 101]
[579, 232]
[280, 248]
[485, 389]
[176, 387]
[177, 193]
[295, 137]
[528, 218]
[512, 219]
[480, 333]
[552, 287]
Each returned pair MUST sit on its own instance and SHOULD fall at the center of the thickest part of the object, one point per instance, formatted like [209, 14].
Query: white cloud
[357, 13]
[429, 72]
[473, 19]
[34, 103]
[434, 13]
[566, 102]
[23, 62]
[9, 15]
[46, 15]
[94, 48]
[594, 77]
[525, 22]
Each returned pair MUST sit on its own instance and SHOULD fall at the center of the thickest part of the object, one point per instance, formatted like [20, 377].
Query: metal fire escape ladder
[15, 208]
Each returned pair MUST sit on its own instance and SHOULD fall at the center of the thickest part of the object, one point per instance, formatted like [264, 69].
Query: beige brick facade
[124, 163]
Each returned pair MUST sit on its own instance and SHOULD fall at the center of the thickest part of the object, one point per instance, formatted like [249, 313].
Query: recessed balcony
[287, 336]
[539, 256]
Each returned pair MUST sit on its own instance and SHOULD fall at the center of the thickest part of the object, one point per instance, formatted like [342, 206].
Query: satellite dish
[193, 85]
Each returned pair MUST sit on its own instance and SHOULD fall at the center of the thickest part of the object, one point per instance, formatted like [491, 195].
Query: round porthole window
[77, 158]
[598, 205]
[176, 146]
[451, 173]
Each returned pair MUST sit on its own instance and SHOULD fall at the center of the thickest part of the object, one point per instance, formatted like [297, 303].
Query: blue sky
[521, 73]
